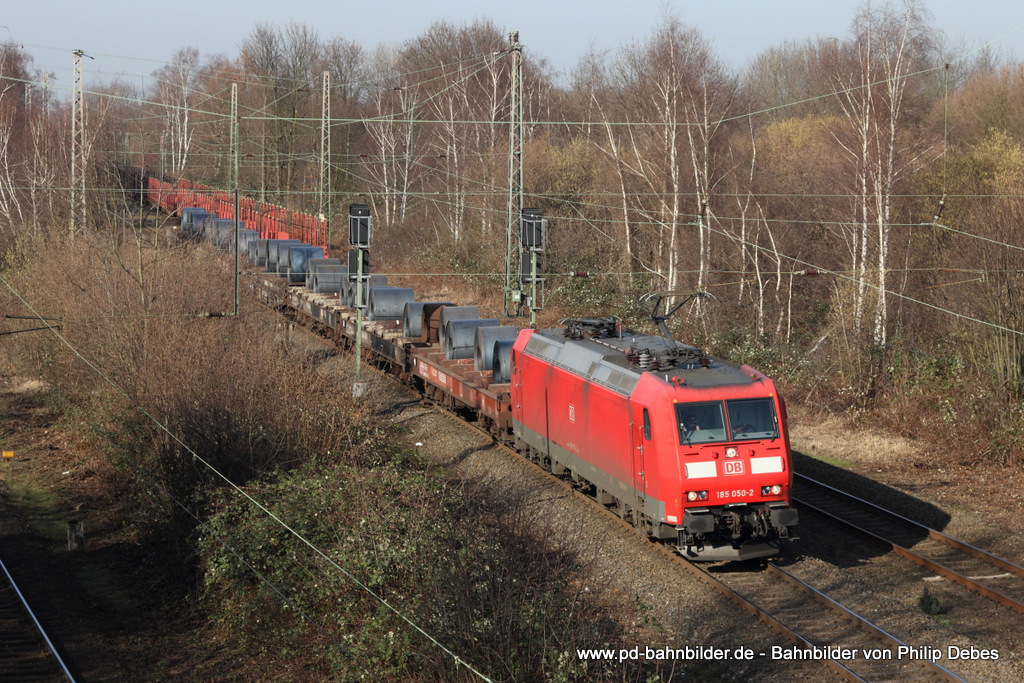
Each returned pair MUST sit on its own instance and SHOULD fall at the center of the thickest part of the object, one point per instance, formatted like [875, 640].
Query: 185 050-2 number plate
[735, 493]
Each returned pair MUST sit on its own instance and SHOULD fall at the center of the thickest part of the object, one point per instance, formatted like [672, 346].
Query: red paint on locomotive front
[738, 478]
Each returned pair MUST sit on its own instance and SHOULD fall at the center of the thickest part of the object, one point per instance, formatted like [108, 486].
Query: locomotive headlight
[771, 490]
[693, 496]
[730, 452]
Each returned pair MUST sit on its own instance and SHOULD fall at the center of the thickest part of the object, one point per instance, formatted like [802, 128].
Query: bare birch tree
[672, 93]
[389, 169]
[872, 94]
[13, 77]
[176, 91]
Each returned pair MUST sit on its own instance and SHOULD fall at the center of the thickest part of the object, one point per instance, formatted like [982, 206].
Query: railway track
[26, 652]
[845, 642]
[991, 576]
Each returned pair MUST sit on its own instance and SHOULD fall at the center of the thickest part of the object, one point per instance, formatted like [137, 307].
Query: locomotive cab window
[700, 422]
[647, 425]
[752, 418]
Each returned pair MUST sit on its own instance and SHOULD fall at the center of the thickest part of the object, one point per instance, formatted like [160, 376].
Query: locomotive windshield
[752, 418]
[749, 419]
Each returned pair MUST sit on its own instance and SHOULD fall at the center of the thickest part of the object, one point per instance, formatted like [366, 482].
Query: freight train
[692, 449]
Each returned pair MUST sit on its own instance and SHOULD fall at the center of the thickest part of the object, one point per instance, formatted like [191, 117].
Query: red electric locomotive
[691, 448]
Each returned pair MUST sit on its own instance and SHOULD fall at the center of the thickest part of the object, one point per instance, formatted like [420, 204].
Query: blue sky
[133, 38]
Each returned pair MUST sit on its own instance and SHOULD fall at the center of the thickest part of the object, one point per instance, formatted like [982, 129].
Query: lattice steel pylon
[325, 157]
[46, 94]
[77, 147]
[513, 285]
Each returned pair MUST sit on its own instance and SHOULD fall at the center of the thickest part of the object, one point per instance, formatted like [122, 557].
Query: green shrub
[437, 550]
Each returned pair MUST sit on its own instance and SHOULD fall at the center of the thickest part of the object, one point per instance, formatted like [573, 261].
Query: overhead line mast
[236, 137]
[77, 147]
[513, 285]
[526, 232]
[325, 158]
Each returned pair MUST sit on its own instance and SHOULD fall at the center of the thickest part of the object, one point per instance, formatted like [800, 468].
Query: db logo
[733, 466]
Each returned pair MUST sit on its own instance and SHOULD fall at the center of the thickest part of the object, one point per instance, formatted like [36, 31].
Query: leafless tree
[872, 92]
[13, 85]
[672, 96]
[389, 168]
[176, 87]
[285, 65]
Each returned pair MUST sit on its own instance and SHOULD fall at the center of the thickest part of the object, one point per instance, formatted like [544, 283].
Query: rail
[22, 658]
[948, 557]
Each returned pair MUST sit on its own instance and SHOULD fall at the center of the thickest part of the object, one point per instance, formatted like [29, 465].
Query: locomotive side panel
[577, 425]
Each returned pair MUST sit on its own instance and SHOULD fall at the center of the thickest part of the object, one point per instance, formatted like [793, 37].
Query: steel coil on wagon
[415, 315]
[219, 231]
[345, 292]
[430, 321]
[205, 229]
[483, 345]
[388, 303]
[224, 230]
[449, 313]
[329, 279]
[501, 363]
[347, 296]
[254, 250]
[313, 263]
[191, 217]
[298, 256]
[210, 229]
[460, 336]
[284, 257]
[273, 253]
[245, 239]
[258, 257]
[412, 319]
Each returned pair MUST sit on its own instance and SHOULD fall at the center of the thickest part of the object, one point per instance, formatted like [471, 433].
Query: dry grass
[834, 437]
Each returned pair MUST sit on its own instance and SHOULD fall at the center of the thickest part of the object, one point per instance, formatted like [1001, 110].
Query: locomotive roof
[611, 356]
